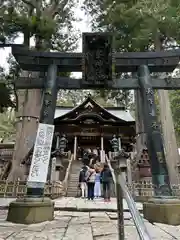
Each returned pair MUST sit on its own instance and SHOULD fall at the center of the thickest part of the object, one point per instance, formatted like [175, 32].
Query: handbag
[87, 180]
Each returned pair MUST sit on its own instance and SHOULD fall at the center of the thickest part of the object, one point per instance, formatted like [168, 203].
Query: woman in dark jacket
[106, 178]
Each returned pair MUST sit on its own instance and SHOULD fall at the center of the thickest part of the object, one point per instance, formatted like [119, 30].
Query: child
[97, 187]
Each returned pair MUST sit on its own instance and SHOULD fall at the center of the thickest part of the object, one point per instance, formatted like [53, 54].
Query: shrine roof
[120, 113]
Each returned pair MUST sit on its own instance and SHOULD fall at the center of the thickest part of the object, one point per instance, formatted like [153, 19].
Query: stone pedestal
[31, 210]
[166, 211]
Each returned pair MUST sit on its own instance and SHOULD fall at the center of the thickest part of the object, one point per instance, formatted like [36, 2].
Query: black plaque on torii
[98, 64]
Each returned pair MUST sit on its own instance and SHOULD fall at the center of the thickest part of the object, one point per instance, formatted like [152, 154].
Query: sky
[82, 26]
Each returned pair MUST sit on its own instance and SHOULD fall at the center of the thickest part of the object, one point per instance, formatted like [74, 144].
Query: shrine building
[89, 125]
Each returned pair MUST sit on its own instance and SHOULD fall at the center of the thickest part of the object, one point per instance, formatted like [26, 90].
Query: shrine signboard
[41, 155]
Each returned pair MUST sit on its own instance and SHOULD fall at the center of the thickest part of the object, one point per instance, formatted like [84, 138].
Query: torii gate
[99, 66]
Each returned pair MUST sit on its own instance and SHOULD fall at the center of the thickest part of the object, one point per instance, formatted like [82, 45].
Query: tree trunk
[29, 106]
[169, 137]
[170, 144]
[26, 127]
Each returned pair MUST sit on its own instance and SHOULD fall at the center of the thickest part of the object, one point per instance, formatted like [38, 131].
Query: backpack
[83, 175]
[106, 175]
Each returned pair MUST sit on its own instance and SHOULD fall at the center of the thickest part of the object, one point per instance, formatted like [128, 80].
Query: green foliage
[49, 22]
[5, 93]
[7, 125]
[135, 24]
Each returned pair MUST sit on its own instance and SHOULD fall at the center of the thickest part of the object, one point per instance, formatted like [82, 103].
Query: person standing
[82, 181]
[86, 158]
[97, 187]
[90, 179]
[106, 178]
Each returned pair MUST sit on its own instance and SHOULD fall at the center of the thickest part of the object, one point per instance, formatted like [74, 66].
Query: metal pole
[138, 220]
[119, 207]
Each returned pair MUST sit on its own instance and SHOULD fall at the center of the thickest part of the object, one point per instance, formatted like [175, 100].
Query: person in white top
[90, 179]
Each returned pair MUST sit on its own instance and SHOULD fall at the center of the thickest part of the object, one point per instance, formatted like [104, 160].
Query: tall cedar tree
[50, 23]
[142, 26]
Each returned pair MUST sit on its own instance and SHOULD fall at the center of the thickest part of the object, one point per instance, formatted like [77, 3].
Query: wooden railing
[141, 191]
[18, 189]
[67, 175]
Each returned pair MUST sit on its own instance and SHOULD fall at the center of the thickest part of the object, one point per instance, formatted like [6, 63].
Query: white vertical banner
[41, 155]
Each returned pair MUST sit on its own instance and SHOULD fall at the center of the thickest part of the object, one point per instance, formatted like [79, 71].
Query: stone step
[72, 190]
[76, 169]
[75, 191]
[74, 179]
[72, 194]
[72, 187]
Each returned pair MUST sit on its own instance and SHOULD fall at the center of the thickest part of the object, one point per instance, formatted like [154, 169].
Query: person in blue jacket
[106, 179]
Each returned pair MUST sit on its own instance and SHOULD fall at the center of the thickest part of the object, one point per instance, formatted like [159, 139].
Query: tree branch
[30, 3]
[54, 8]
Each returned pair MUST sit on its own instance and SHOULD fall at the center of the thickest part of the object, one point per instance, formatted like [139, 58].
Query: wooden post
[119, 141]
[75, 147]
[53, 169]
[129, 173]
[102, 143]
[102, 153]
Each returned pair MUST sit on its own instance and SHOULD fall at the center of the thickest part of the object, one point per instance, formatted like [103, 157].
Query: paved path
[77, 225]
[80, 226]
[78, 204]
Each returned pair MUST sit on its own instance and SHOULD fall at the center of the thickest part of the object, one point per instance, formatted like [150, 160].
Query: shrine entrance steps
[72, 190]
